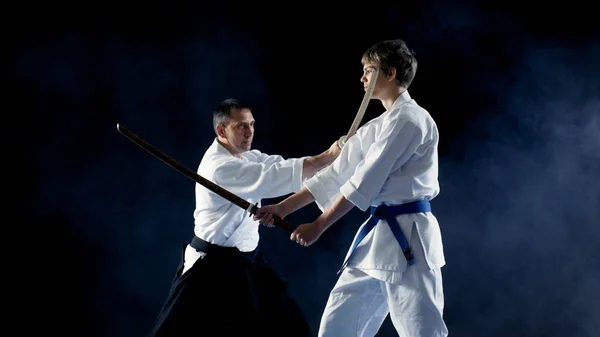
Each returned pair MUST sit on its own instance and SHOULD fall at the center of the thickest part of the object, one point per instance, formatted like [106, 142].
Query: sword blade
[198, 178]
[363, 104]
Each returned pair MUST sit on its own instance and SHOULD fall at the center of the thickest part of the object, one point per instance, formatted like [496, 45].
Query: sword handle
[277, 221]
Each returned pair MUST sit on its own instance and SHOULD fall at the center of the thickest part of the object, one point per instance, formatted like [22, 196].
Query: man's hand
[335, 149]
[341, 142]
[264, 215]
[307, 234]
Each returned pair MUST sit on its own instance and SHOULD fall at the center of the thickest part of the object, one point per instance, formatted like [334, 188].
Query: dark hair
[393, 53]
[223, 111]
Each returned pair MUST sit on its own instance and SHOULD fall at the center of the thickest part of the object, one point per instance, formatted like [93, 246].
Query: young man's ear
[391, 74]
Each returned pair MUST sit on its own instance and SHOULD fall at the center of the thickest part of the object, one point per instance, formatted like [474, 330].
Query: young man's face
[367, 77]
[240, 130]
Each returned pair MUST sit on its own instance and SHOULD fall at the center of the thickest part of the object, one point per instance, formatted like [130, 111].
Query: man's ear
[391, 74]
[221, 130]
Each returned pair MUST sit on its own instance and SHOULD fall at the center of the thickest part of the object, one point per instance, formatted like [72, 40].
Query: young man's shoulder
[413, 113]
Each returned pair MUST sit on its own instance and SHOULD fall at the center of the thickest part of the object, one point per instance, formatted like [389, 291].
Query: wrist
[285, 208]
[321, 223]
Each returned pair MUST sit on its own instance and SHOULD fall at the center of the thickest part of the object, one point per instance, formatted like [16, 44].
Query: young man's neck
[389, 98]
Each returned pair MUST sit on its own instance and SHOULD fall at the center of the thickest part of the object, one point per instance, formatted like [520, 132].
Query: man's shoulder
[212, 161]
[254, 153]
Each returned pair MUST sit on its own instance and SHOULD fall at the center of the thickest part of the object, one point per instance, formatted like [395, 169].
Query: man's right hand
[264, 215]
[342, 141]
[335, 149]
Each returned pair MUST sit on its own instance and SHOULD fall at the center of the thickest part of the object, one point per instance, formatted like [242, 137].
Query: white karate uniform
[391, 160]
[253, 177]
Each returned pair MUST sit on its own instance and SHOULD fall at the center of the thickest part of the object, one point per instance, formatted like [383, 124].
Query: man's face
[240, 130]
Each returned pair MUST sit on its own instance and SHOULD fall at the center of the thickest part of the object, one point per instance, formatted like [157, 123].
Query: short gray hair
[223, 111]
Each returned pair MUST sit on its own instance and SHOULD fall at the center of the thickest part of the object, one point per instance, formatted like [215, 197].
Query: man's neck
[228, 147]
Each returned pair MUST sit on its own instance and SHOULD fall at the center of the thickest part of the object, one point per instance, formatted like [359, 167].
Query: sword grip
[279, 222]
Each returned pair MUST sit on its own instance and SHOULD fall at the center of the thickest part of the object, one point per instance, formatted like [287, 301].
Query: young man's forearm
[296, 201]
[340, 207]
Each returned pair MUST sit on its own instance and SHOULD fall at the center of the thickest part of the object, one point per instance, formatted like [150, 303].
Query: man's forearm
[314, 164]
[340, 207]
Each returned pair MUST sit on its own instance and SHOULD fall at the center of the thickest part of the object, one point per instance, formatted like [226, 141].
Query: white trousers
[359, 303]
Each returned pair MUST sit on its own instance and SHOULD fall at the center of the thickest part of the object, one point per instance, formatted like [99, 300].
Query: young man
[223, 287]
[390, 167]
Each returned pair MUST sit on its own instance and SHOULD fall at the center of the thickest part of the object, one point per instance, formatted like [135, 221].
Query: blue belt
[389, 213]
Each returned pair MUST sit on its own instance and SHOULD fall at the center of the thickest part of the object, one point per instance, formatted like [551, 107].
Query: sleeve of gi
[394, 145]
[261, 176]
[325, 185]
